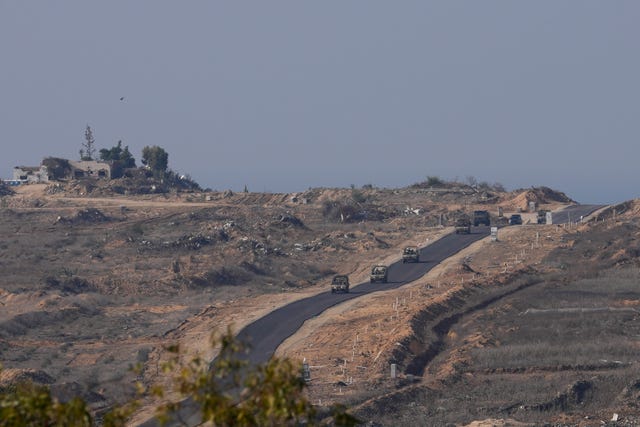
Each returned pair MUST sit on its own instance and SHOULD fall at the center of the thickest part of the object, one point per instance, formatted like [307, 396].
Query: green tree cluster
[120, 158]
[157, 159]
[31, 405]
[228, 392]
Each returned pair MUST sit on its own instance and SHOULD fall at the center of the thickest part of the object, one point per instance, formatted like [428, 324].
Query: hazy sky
[282, 96]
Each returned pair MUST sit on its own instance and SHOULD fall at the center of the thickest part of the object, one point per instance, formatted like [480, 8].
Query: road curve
[574, 213]
[265, 334]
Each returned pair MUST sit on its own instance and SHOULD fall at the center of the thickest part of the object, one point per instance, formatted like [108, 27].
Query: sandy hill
[96, 280]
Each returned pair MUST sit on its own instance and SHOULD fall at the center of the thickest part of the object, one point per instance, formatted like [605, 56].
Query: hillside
[95, 281]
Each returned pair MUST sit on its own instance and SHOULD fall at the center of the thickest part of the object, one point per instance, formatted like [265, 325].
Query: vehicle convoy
[463, 225]
[481, 217]
[411, 254]
[340, 283]
[379, 273]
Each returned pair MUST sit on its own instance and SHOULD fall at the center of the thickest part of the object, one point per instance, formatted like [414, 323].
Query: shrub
[269, 394]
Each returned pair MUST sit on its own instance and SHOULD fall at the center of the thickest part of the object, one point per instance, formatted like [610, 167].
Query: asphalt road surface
[575, 213]
[265, 334]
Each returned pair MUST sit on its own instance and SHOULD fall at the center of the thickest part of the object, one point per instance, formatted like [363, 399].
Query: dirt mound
[520, 199]
[548, 195]
[5, 190]
[627, 210]
[67, 391]
[575, 395]
[85, 216]
[498, 423]
[14, 376]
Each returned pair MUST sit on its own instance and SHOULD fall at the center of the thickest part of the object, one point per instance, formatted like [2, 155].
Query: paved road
[267, 333]
[574, 213]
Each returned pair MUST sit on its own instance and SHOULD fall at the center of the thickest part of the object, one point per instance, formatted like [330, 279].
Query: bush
[58, 168]
[270, 394]
[434, 181]
[27, 404]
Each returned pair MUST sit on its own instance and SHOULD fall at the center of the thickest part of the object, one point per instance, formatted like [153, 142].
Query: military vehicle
[411, 254]
[481, 217]
[463, 225]
[515, 219]
[542, 216]
[340, 283]
[379, 273]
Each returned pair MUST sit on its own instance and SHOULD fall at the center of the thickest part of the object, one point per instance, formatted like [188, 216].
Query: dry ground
[86, 294]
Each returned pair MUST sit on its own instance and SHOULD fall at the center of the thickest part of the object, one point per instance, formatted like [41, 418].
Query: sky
[283, 96]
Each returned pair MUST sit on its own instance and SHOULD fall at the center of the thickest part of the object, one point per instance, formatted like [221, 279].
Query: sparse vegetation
[271, 394]
[118, 282]
[57, 168]
[434, 181]
[156, 158]
[88, 150]
[119, 158]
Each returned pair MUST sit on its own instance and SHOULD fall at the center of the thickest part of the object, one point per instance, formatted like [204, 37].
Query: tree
[227, 390]
[88, 150]
[270, 394]
[434, 181]
[156, 159]
[32, 405]
[120, 159]
[58, 168]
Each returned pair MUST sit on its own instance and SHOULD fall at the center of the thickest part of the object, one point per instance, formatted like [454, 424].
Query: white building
[31, 174]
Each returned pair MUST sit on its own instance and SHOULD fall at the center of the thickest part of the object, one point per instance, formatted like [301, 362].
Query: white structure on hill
[90, 169]
[31, 174]
[73, 170]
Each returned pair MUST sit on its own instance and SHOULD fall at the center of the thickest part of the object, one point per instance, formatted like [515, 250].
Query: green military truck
[542, 216]
[411, 254]
[340, 284]
[463, 225]
[379, 273]
[481, 217]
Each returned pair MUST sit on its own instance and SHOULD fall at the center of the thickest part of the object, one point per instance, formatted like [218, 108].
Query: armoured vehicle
[411, 254]
[463, 225]
[515, 219]
[481, 217]
[542, 216]
[379, 273]
[340, 283]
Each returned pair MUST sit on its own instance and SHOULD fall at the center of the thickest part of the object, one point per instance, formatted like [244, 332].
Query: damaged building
[89, 169]
[31, 174]
[56, 169]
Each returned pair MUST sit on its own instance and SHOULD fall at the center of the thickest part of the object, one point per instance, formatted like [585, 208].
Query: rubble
[85, 216]
[5, 190]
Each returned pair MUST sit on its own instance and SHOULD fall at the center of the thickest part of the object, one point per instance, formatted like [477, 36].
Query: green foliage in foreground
[32, 405]
[228, 391]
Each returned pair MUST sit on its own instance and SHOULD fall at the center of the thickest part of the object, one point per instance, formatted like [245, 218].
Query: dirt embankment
[548, 343]
[113, 279]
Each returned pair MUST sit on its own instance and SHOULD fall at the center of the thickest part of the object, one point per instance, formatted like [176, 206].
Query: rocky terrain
[538, 327]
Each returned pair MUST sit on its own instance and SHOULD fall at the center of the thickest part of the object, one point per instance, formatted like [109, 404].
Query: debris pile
[11, 376]
[85, 216]
[5, 190]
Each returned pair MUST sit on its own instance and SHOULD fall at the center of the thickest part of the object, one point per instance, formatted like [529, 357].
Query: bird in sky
[122, 98]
